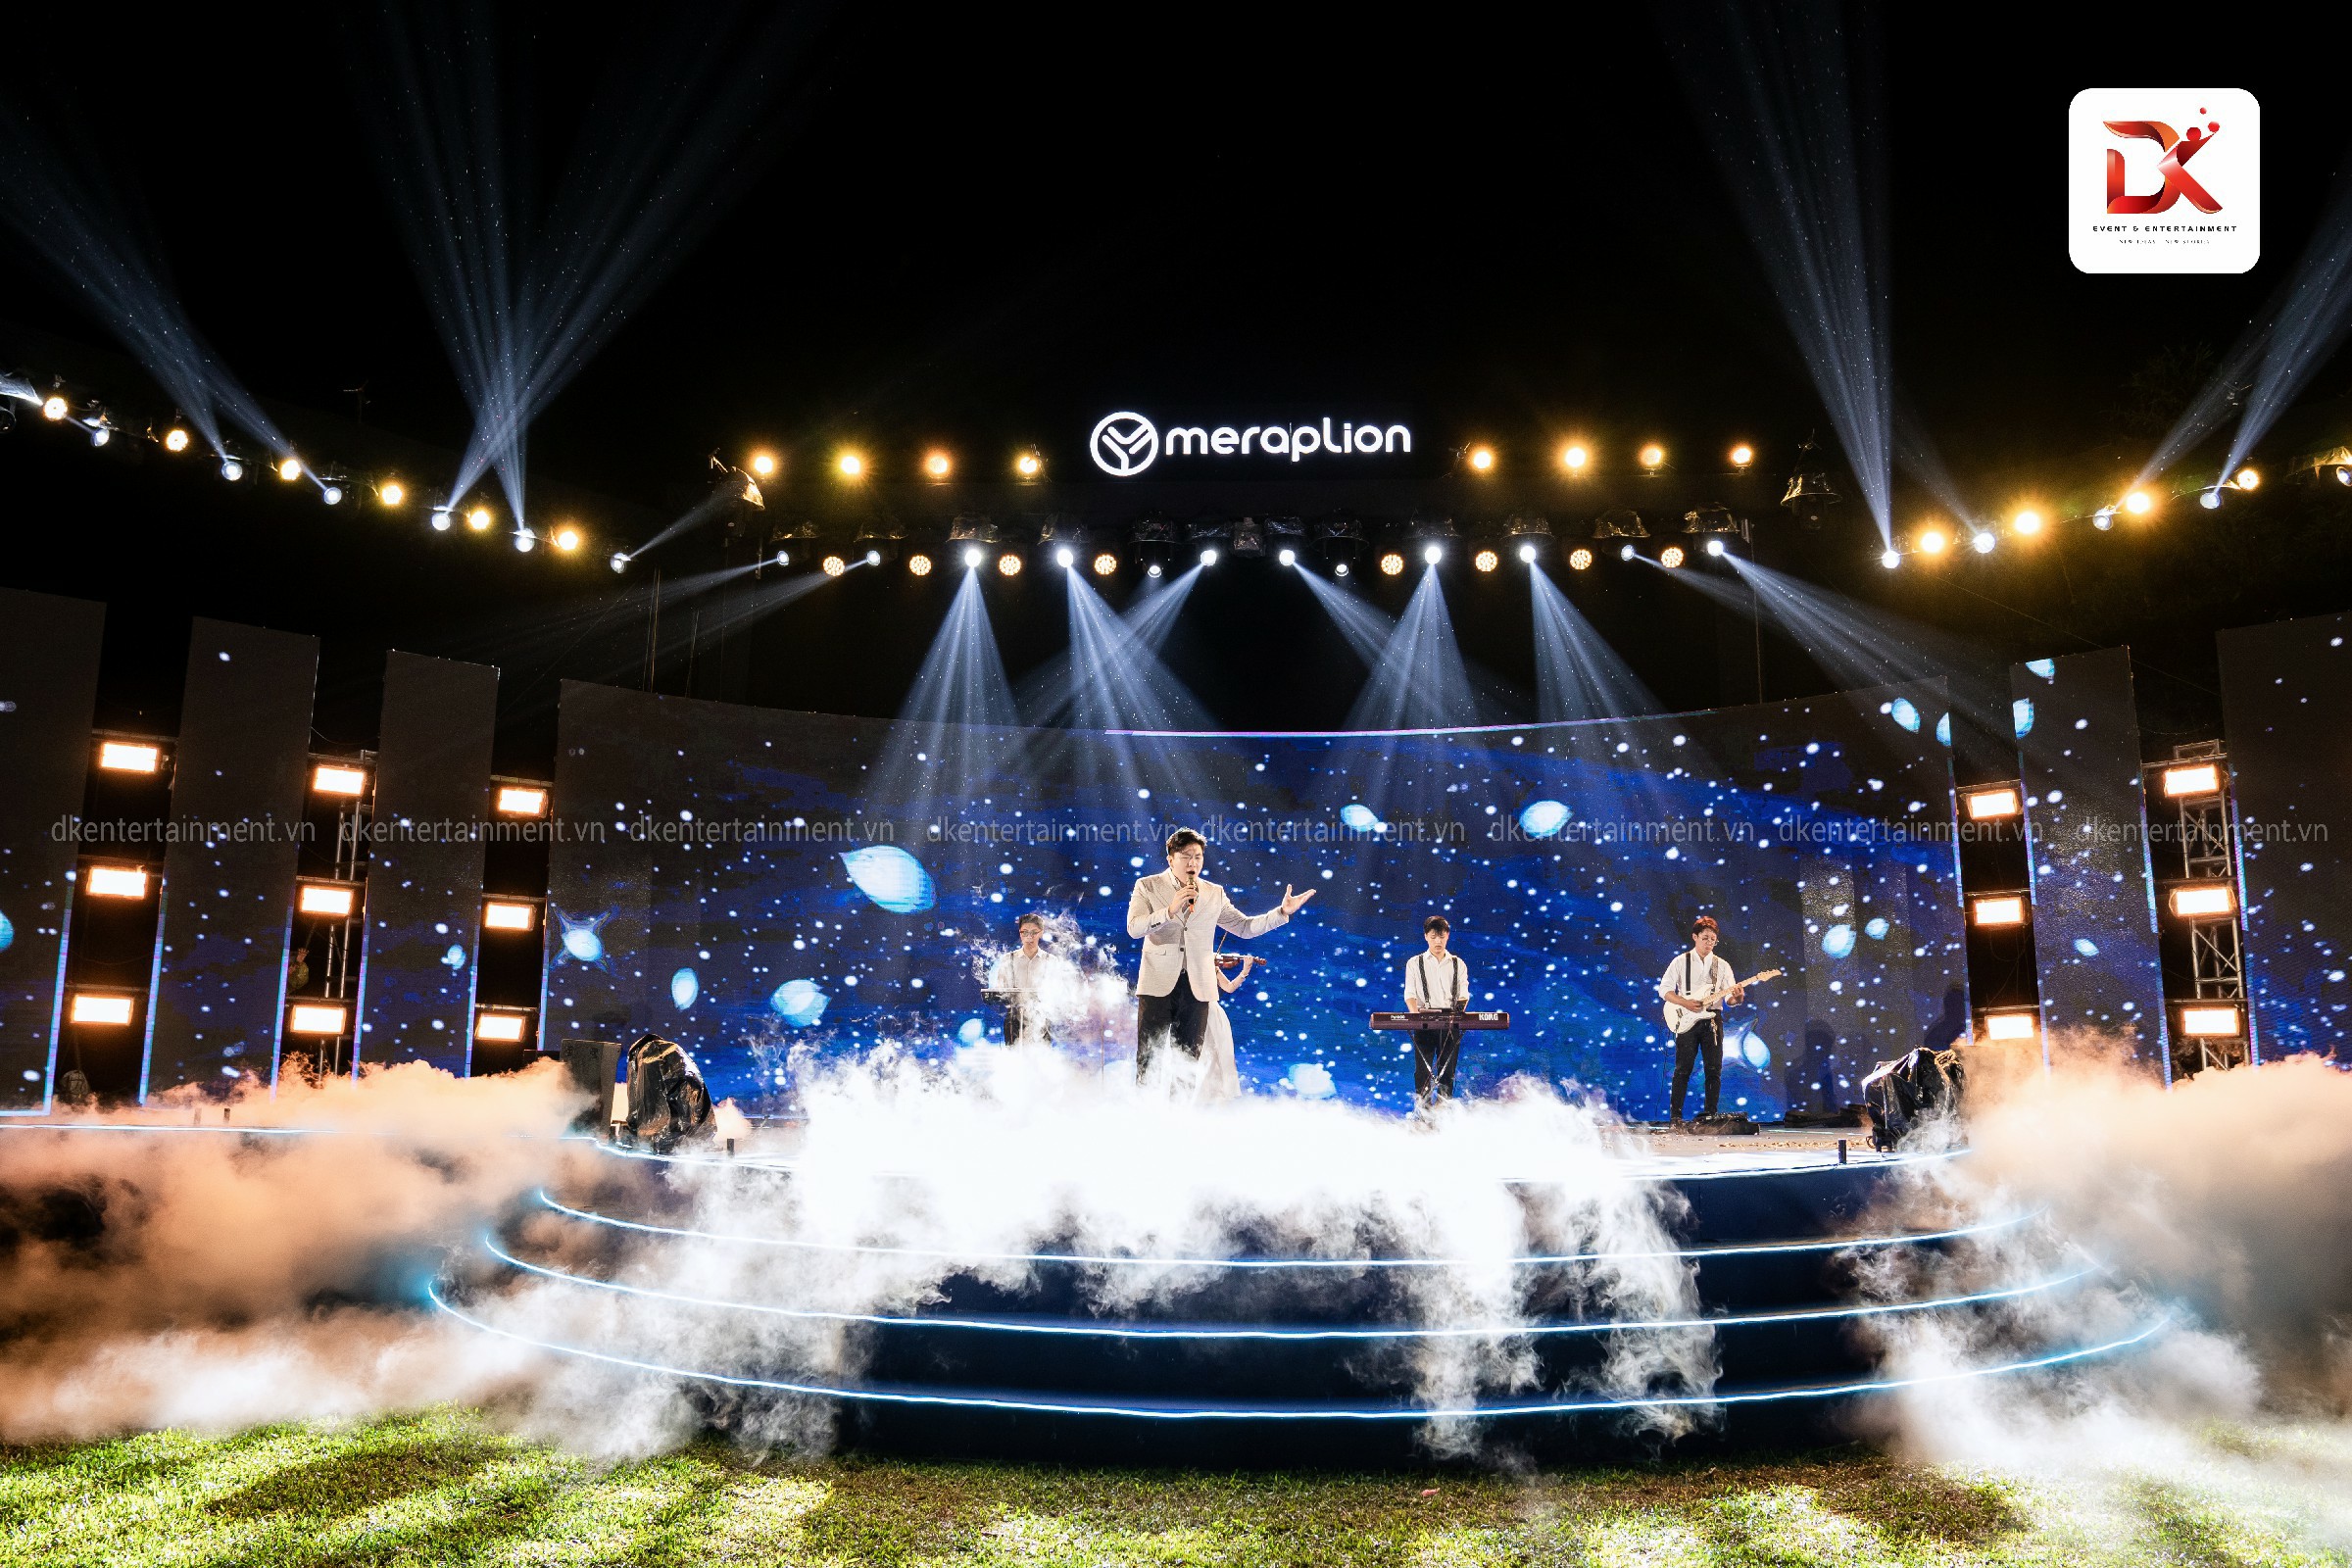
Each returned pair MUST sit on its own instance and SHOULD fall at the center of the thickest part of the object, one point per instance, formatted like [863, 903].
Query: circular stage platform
[1734, 1290]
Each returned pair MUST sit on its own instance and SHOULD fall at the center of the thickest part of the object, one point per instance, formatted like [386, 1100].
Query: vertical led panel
[2287, 720]
[424, 879]
[242, 763]
[599, 863]
[48, 691]
[2086, 841]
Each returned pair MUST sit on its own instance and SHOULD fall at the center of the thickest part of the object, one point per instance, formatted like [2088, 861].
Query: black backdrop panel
[2094, 903]
[228, 873]
[48, 691]
[424, 881]
[2287, 713]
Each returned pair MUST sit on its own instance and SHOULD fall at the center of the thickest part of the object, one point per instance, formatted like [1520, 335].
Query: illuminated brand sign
[1126, 444]
[2134, 201]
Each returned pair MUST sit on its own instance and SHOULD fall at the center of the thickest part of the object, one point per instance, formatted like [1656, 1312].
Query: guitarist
[1687, 983]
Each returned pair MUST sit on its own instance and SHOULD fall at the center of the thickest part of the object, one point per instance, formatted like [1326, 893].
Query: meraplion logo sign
[1126, 443]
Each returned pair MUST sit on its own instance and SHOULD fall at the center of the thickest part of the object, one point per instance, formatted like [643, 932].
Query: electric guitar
[1679, 1018]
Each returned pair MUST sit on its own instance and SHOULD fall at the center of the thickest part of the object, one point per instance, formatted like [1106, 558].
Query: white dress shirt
[1448, 981]
[1693, 976]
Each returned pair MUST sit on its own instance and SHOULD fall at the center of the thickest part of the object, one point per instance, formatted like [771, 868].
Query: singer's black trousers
[1179, 1019]
[1435, 1054]
[1702, 1042]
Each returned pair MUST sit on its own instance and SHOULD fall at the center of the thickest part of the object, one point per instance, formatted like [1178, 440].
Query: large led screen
[773, 889]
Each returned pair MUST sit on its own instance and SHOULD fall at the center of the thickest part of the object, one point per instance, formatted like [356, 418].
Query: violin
[1226, 961]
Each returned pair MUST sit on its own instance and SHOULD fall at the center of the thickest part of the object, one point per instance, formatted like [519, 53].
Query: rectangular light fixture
[501, 915]
[130, 756]
[2197, 778]
[1985, 805]
[324, 898]
[516, 799]
[2210, 1021]
[333, 778]
[2010, 1025]
[2206, 898]
[2006, 909]
[116, 882]
[489, 1025]
[315, 1018]
[92, 1007]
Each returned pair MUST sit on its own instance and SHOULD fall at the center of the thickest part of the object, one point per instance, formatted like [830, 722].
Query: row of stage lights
[1105, 563]
[938, 466]
[1934, 540]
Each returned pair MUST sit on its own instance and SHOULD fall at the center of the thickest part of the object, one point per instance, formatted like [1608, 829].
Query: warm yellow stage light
[1392, 564]
[498, 1028]
[318, 898]
[2027, 522]
[315, 1018]
[1743, 455]
[2008, 909]
[1029, 465]
[764, 463]
[834, 566]
[1482, 459]
[1575, 456]
[2139, 503]
[1985, 805]
[93, 1007]
[391, 492]
[2197, 778]
[1009, 564]
[567, 537]
[2248, 479]
[2204, 900]
[55, 408]
[480, 519]
[1485, 560]
[1105, 563]
[330, 779]
[176, 439]
[2010, 1025]
[1932, 542]
[850, 465]
[116, 882]
[1578, 559]
[517, 800]
[2210, 1022]
[508, 914]
[1652, 455]
[938, 465]
[130, 756]
[920, 564]
[289, 468]
[1671, 556]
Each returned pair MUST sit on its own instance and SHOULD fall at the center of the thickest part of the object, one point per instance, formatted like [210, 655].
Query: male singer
[1688, 981]
[1178, 916]
[1435, 981]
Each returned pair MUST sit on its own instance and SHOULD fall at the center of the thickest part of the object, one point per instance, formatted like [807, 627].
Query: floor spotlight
[1391, 565]
[1105, 563]
[1009, 564]
[1485, 560]
[1065, 558]
[1715, 548]
[289, 468]
[764, 463]
[834, 566]
[2026, 522]
[920, 564]
[1208, 557]
[2139, 503]
[1982, 541]
[525, 541]
[391, 492]
[1890, 558]
[1526, 554]
[1430, 554]
[55, 408]
[1580, 559]
[479, 519]
[973, 556]
[1287, 555]
[1669, 557]
[618, 562]
[175, 440]
[232, 469]
[1932, 542]
[1576, 456]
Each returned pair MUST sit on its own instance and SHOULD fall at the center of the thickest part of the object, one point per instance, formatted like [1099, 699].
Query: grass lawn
[446, 1488]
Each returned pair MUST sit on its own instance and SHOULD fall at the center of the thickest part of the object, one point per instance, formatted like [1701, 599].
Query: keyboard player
[1438, 982]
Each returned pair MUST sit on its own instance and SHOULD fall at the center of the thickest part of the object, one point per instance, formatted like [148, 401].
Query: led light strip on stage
[1107, 1260]
[1325, 1412]
[1189, 1331]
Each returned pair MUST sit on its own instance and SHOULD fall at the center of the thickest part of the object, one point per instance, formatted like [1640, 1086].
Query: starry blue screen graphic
[775, 889]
